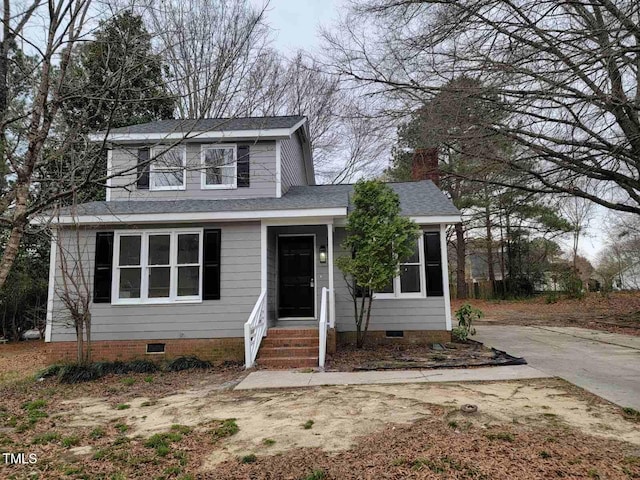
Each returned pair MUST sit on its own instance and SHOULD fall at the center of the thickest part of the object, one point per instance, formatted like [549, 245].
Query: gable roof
[417, 199]
[206, 128]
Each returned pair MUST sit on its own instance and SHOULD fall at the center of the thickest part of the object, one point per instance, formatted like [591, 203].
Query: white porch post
[445, 274]
[52, 278]
[332, 298]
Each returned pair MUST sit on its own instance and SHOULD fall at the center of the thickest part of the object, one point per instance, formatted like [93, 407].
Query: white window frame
[203, 173]
[158, 151]
[397, 293]
[144, 266]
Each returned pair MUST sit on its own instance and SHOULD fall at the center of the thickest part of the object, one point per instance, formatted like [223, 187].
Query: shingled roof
[209, 125]
[416, 199]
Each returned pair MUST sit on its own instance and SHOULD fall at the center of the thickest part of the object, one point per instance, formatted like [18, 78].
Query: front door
[295, 277]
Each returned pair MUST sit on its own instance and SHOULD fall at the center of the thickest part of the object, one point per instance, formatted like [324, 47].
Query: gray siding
[292, 160]
[240, 288]
[262, 169]
[387, 314]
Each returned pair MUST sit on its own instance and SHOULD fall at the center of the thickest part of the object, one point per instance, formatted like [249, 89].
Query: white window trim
[203, 172]
[397, 294]
[152, 169]
[144, 259]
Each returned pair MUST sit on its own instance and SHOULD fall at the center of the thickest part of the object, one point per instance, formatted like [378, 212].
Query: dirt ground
[191, 425]
[18, 359]
[617, 313]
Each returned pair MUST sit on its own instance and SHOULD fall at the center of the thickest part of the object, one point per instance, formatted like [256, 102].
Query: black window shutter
[143, 169]
[211, 267]
[244, 171]
[433, 264]
[103, 268]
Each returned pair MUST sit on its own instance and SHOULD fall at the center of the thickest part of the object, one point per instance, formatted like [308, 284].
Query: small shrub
[78, 373]
[226, 429]
[251, 458]
[97, 433]
[544, 454]
[50, 371]
[187, 363]
[308, 425]
[45, 438]
[142, 366]
[466, 316]
[123, 406]
[268, 442]
[453, 424]
[163, 450]
[148, 379]
[70, 441]
[129, 381]
[572, 285]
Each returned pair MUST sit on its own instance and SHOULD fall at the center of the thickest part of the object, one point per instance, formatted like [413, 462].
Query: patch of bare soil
[617, 313]
[401, 357]
[20, 359]
[116, 429]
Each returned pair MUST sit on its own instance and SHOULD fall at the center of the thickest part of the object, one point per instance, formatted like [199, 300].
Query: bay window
[219, 166]
[157, 266]
[168, 168]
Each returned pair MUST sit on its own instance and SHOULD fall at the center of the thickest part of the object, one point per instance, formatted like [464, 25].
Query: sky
[296, 22]
[296, 25]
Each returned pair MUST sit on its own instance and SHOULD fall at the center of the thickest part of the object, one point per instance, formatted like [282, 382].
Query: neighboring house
[227, 225]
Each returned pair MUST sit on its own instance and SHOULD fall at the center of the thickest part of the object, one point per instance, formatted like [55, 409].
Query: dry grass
[617, 313]
[21, 359]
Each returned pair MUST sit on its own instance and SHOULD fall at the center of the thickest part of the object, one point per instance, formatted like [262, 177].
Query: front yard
[617, 313]
[192, 425]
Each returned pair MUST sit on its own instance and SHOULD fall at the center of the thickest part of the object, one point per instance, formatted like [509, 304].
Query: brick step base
[288, 362]
[291, 352]
[278, 342]
[293, 332]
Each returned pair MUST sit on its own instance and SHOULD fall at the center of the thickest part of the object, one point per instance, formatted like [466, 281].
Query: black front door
[295, 277]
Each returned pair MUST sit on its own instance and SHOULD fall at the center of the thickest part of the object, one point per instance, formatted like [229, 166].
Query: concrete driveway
[606, 364]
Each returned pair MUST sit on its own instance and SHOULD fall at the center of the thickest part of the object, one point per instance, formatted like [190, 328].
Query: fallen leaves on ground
[435, 448]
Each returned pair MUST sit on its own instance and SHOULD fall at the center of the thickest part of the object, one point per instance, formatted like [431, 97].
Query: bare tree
[211, 48]
[579, 213]
[566, 75]
[75, 289]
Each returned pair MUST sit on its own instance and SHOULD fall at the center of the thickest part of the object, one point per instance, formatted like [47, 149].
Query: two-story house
[214, 235]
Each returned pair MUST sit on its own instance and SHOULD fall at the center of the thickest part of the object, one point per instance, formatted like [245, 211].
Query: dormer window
[168, 168]
[219, 166]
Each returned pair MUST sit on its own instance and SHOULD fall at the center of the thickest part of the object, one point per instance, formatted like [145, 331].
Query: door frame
[315, 276]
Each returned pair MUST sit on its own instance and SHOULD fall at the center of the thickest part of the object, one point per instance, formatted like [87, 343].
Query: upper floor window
[219, 166]
[168, 169]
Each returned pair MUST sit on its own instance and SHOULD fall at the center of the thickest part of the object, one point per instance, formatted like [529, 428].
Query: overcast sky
[295, 25]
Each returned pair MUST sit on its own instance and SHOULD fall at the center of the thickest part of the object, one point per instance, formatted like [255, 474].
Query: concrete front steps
[289, 348]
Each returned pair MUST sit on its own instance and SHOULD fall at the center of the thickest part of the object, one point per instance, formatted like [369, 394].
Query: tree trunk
[366, 324]
[487, 216]
[461, 255]
[359, 332]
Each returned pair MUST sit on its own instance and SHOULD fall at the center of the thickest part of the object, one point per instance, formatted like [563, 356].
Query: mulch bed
[437, 448]
[401, 357]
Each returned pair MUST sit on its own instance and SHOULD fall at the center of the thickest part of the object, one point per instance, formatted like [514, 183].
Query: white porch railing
[323, 327]
[254, 330]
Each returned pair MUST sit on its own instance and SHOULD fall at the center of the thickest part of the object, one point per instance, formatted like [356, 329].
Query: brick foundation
[419, 337]
[212, 349]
